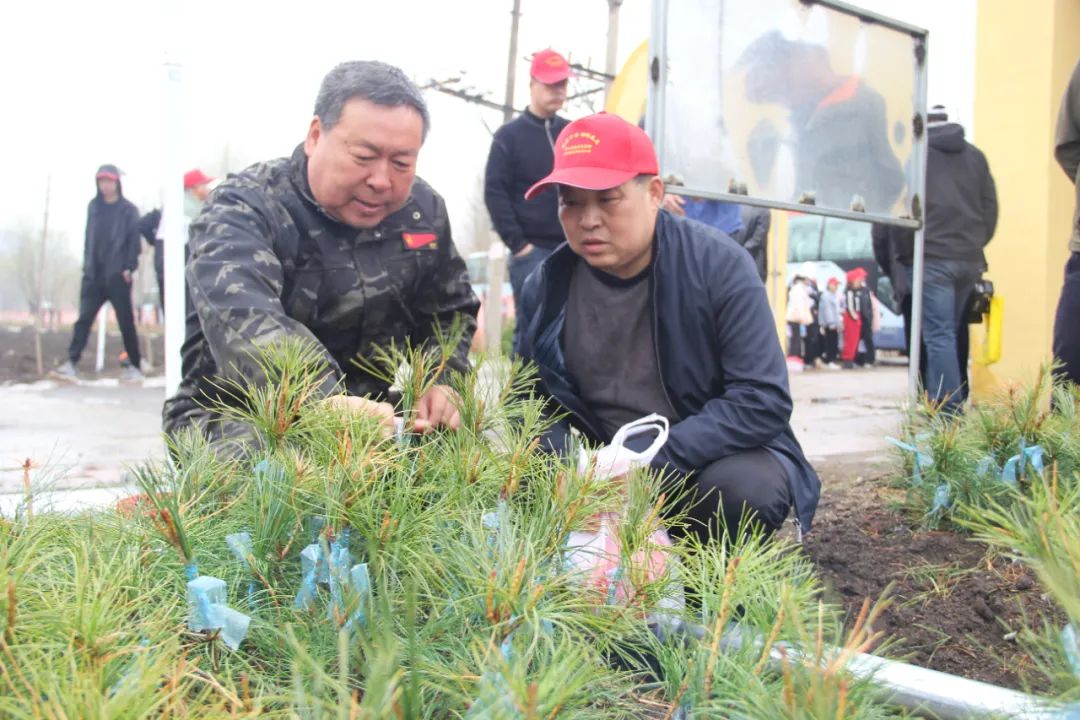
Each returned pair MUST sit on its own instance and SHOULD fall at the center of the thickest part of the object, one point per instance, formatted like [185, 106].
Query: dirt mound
[956, 607]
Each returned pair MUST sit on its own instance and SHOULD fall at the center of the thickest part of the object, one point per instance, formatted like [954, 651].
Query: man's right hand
[525, 250]
[674, 204]
[383, 412]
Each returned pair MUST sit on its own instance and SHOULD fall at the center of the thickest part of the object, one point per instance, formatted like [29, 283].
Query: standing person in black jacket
[521, 154]
[641, 312]
[961, 215]
[1067, 152]
[111, 255]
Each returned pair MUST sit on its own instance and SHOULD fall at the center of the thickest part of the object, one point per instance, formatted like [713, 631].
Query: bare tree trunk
[41, 283]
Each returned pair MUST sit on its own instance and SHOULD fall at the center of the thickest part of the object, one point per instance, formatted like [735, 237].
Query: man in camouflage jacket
[340, 244]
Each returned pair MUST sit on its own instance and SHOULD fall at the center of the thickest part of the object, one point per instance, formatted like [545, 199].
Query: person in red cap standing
[111, 255]
[853, 316]
[521, 154]
[197, 187]
[645, 312]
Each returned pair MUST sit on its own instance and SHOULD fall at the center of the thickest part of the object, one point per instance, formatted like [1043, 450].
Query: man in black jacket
[961, 215]
[520, 155]
[644, 312]
[111, 255]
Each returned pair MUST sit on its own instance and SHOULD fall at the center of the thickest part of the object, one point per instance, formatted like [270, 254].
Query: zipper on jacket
[547, 133]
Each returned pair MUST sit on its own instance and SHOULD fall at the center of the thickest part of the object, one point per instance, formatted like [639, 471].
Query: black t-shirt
[104, 235]
[610, 350]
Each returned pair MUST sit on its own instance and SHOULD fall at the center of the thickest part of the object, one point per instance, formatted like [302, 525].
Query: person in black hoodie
[111, 255]
[521, 154]
[961, 215]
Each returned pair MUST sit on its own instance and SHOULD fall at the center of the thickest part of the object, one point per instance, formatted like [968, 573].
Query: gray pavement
[81, 437]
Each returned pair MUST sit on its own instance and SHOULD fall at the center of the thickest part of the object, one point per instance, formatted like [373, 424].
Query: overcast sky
[81, 82]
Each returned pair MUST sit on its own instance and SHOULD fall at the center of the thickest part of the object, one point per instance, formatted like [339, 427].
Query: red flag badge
[415, 241]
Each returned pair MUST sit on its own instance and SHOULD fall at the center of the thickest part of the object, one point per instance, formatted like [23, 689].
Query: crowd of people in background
[830, 328]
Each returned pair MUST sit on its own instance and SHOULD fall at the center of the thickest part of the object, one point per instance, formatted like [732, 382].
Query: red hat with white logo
[599, 152]
[196, 177]
[549, 67]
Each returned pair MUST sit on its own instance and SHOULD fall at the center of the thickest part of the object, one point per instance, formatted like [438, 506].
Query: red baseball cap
[599, 152]
[549, 67]
[196, 177]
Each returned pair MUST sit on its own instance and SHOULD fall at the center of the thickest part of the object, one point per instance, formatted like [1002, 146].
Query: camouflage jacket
[267, 262]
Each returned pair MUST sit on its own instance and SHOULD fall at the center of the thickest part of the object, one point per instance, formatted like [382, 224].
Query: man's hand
[383, 412]
[438, 407]
[126, 274]
[525, 250]
[674, 204]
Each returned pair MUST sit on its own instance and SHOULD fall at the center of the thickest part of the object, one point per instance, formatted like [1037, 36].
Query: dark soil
[955, 604]
[18, 360]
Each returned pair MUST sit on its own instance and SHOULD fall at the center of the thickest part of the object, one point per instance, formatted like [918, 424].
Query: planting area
[18, 362]
[958, 606]
[342, 573]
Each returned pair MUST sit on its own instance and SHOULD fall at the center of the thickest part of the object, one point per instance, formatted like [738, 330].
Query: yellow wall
[1024, 52]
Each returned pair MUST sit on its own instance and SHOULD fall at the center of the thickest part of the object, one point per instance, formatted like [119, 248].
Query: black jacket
[716, 346]
[123, 252]
[521, 155]
[754, 236]
[961, 201]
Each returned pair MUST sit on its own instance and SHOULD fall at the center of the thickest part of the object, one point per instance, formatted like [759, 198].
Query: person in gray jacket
[1067, 152]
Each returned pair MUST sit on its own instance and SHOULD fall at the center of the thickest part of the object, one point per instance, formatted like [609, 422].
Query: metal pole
[172, 215]
[511, 63]
[917, 265]
[612, 44]
[493, 302]
[38, 355]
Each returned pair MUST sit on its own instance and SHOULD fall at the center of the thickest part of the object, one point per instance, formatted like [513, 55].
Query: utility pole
[612, 42]
[511, 63]
[41, 282]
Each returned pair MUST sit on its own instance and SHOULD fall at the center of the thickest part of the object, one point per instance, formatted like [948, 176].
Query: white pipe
[172, 232]
[102, 321]
[925, 691]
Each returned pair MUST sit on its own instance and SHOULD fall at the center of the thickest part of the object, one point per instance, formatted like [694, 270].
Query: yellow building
[1025, 53]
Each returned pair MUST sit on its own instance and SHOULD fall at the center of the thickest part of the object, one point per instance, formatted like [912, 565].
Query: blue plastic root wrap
[941, 499]
[920, 460]
[314, 569]
[241, 547]
[207, 611]
[1017, 466]
[494, 697]
[338, 568]
[1071, 647]
[361, 585]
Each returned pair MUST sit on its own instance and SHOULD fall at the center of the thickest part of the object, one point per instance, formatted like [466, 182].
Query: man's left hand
[438, 407]
[126, 274]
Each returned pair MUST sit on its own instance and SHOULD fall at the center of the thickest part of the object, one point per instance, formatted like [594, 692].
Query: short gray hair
[369, 80]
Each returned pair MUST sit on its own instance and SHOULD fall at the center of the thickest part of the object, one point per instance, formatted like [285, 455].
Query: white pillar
[102, 321]
[172, 214]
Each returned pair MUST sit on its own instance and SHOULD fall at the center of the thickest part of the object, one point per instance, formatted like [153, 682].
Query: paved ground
[81, 437]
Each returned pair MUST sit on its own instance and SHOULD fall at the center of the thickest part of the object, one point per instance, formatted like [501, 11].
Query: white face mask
[615, 459]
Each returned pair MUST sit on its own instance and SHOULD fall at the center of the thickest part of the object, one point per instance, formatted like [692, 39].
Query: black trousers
[868, 355]
[832, 344]
[1067, 323]
[92, 296]
[751, 482]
